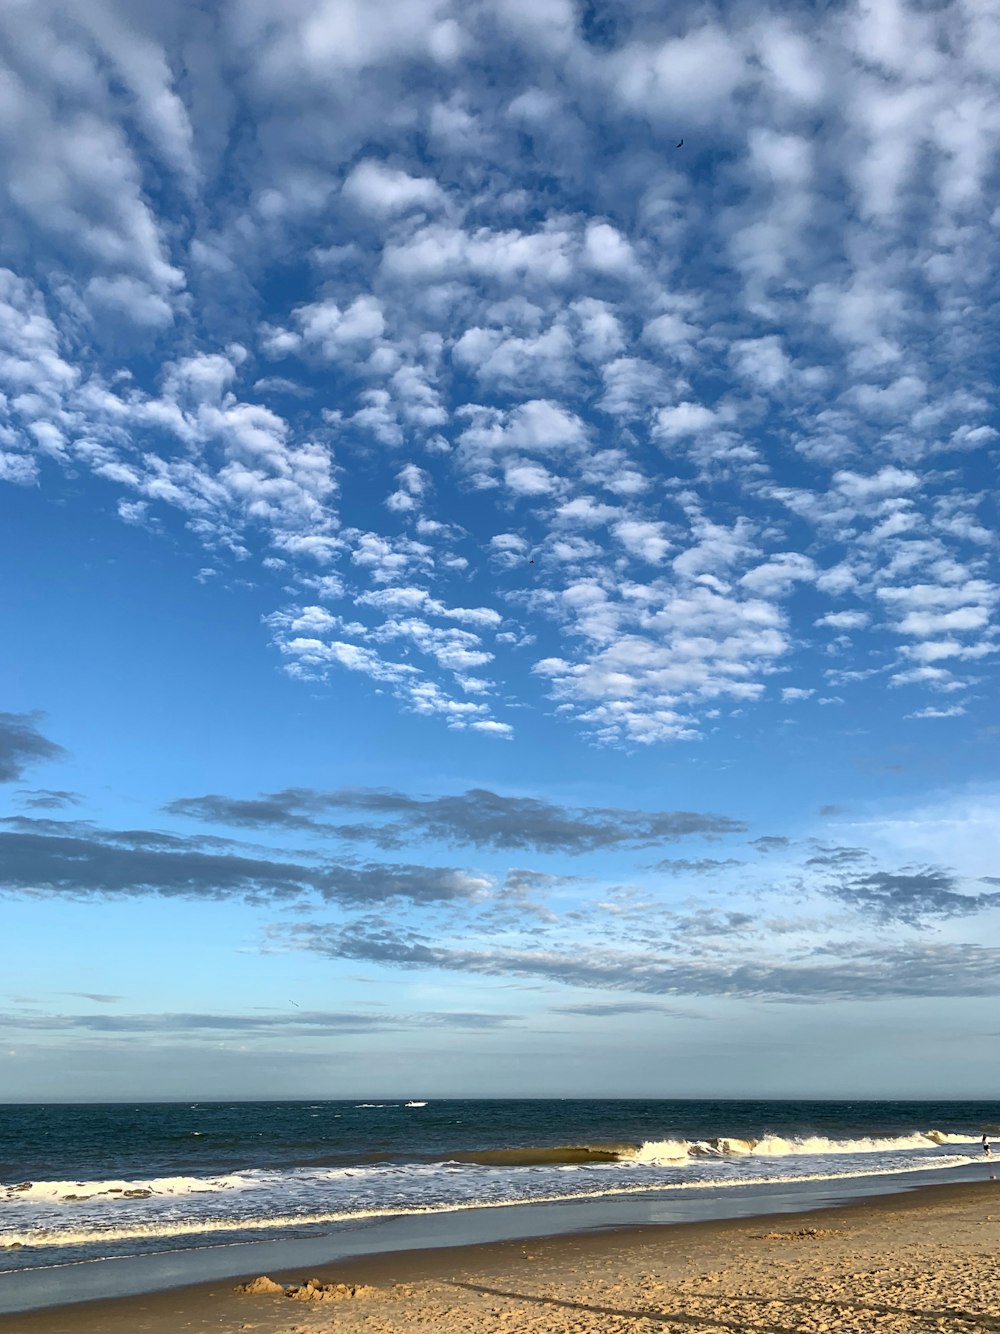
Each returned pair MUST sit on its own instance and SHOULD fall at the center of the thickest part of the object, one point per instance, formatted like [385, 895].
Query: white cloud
[385, 191]
[496, 358]
[683, 420]
[687, 648]
[793, 65]
[72, 176]
[935, 614]
[387, 559]
[303, 43]
[888, 481]
[845, 620]
[528, 479]
[631, 385]
[607, 251]
[763, 361]
[601, 335]
[586, 512]
[955, 711]
[30, 354]
[132, 299]
[492, 728]
[333, 330]
[672, 333]
[18, 469]
[778, 574]
[643, 538]
[615, 471]
[716, 548]
[440, 251]
[495, 438]
[680, 79]
[413, 484]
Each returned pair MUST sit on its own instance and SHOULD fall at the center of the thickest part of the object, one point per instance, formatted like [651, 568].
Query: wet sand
[923, 1261]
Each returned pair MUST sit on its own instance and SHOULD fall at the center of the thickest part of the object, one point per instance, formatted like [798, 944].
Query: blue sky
[499, 546]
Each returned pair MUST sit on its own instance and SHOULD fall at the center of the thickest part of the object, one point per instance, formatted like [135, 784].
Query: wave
[562, 1155]
[69, 1192]
[649, 1153]
[190, 1227]
[776, 1146]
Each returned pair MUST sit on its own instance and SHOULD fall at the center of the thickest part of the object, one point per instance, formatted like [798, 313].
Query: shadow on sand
[799, 1306]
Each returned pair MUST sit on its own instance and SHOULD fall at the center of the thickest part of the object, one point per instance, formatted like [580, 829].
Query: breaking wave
[672, 1151]
[776, 1146]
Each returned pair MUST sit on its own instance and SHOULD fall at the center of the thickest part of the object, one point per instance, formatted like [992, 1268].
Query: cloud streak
[299, 1024]
[22, 745]
[860, 972]
[478, 817]
[87, 862]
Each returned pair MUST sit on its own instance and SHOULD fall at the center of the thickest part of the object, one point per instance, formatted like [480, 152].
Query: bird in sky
[681, 144]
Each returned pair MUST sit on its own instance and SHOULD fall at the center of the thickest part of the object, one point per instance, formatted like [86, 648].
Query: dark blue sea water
[96, 1181]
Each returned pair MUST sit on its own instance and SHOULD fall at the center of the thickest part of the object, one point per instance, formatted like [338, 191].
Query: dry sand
[926, 1261]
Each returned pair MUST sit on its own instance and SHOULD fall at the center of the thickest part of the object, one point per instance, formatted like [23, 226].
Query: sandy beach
[924, 1261]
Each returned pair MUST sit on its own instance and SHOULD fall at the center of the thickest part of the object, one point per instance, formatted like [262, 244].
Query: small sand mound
[259, 1285]
[803, 1233]
[310, 1290]
[315, 1291]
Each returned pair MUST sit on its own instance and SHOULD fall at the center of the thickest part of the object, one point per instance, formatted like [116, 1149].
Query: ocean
[81, 1183]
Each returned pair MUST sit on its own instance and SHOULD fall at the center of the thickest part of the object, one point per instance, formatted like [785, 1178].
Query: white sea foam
[775, 1146]
[660, 1151]
[125, 1191]
[181, 1227]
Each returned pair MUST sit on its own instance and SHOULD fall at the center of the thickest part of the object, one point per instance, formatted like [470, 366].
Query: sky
[498, 549]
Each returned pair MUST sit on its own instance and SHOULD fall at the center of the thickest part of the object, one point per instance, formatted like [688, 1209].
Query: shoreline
[611, 1248]
[53, 1286]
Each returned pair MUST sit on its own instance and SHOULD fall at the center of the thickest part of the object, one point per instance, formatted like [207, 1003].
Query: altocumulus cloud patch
[652, 437]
